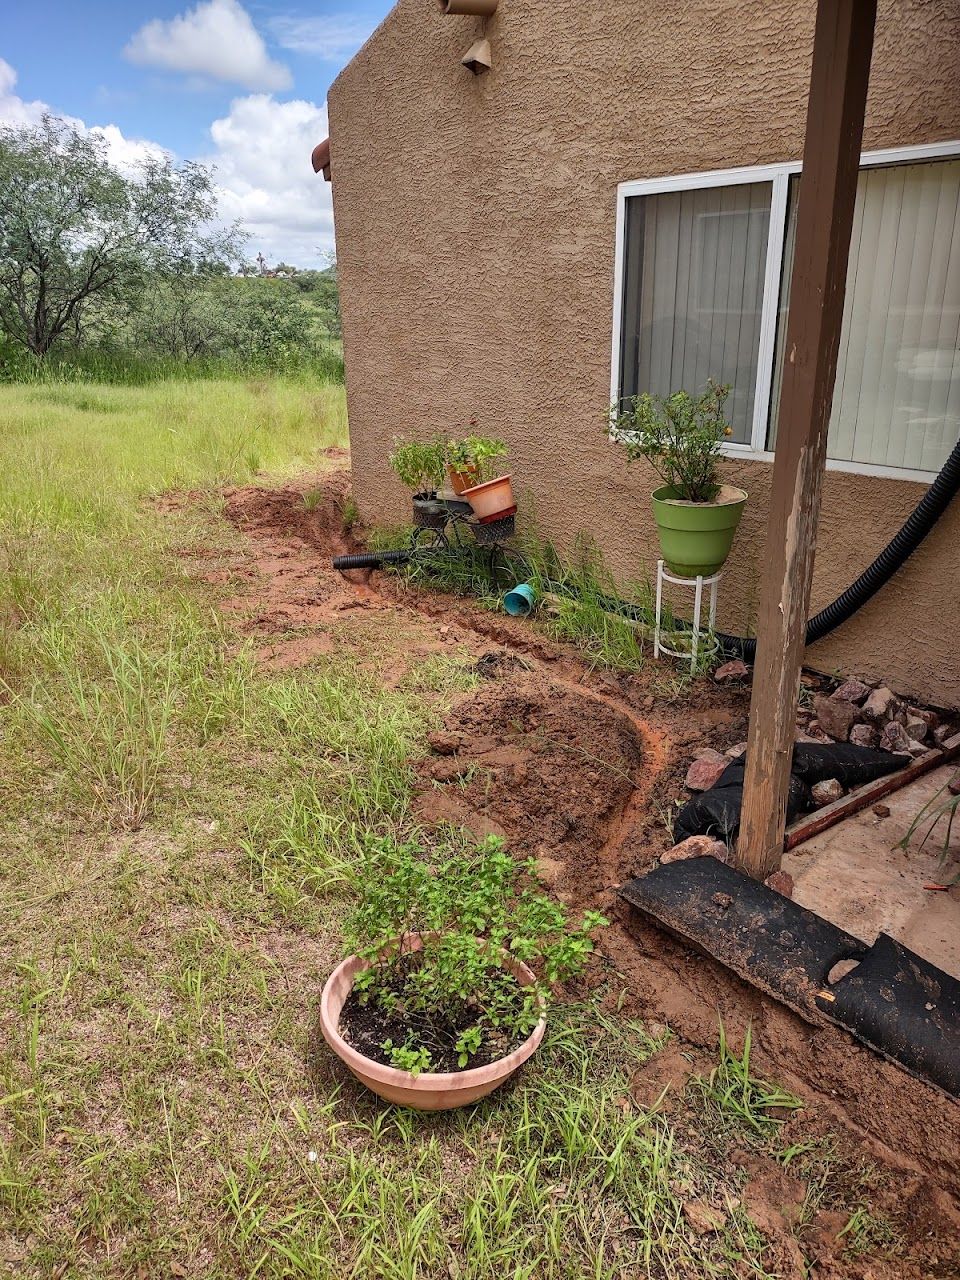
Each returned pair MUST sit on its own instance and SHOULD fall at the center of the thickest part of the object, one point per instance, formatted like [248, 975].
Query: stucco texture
[475, 225]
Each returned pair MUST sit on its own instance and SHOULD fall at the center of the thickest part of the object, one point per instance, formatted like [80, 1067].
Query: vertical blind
[693, 293]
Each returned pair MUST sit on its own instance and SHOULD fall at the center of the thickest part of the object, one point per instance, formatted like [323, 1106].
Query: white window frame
[778, 175]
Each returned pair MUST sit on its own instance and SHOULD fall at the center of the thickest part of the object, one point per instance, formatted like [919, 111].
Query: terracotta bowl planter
[491, 497]
[430, 1090]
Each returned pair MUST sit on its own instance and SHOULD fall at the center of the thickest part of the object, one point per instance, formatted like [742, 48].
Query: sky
[240, 85]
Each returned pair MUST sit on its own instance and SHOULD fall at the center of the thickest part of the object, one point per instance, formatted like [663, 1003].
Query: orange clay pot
[491, 497]
[460, 481]
[430, 1090]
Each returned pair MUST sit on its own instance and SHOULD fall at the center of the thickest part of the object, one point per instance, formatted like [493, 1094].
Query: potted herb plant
[492, 497]
[467, 458]
[680, 436]
[448, 989]
[421, 466]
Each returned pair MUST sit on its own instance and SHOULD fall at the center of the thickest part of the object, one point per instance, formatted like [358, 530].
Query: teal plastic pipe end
[520, 600]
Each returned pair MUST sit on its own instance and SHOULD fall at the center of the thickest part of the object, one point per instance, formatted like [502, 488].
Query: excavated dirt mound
[542, 765]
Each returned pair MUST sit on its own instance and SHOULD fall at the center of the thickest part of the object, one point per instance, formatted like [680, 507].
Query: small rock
[810, 681]
[781, 882]
[647, 703]
[894, 738]
[864, 735]
[696, 847]
[722, 900]
[852, 690]
[835, 718]
[882, 810]
[941, 733]
[705, 770]
[930, 717]
[916, 727]
[734, 670]
[444, 744]
[815, 733]
[826, 792]
[882, 704]
[735, 752]
[444, 631]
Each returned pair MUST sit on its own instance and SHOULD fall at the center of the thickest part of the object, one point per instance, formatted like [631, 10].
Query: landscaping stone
[782, 882]
[864, 735]
[894, 738]
[705, 770]
[916, 727]
[814, 733]
[941, 733]
[882, 704]
[733, 670]
[696, 847]
[736, 751]
[834, 717]
[882, 810]
[826, 792]
[929, 717]
[852, 690]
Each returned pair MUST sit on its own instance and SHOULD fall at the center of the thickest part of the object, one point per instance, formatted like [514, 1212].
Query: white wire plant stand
[702, 643]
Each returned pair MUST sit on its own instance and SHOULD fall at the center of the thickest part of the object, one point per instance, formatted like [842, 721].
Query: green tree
[77, 234]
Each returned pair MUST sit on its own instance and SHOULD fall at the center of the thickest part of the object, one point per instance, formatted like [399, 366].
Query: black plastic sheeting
[717, 811]
[894, 1001]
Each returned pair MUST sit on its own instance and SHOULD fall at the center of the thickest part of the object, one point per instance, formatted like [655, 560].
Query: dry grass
[178, 831]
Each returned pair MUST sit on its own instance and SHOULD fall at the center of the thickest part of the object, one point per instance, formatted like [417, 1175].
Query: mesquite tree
[76, 232]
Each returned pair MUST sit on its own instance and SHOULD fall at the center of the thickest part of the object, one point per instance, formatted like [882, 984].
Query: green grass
[180, 828]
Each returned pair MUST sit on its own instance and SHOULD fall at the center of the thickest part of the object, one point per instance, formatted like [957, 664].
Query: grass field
[179, 829]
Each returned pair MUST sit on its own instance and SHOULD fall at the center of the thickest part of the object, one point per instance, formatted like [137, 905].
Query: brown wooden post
[842, 45]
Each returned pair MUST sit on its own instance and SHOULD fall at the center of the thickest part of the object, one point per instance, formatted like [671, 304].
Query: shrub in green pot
[421, 466]
[680, 436]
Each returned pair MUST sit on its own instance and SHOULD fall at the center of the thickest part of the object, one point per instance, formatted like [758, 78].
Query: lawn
[180, 826]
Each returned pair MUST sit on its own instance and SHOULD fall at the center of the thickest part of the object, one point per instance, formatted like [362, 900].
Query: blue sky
[239, 84]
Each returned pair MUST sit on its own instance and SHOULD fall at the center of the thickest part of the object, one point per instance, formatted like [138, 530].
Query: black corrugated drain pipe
[916, 527]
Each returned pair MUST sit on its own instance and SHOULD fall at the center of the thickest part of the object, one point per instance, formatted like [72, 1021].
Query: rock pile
[869, 717]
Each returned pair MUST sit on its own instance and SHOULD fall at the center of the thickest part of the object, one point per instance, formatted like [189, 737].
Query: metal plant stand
[696, 650]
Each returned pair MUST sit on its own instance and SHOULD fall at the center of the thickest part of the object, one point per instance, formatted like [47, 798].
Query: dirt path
[580, 769]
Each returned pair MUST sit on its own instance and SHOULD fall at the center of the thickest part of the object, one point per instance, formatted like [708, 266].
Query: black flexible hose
[370, 559]
[916, 527]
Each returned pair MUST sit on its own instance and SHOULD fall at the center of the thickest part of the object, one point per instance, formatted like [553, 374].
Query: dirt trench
[579, 769]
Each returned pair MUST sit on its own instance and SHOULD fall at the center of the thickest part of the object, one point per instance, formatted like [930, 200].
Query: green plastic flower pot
[696, 537]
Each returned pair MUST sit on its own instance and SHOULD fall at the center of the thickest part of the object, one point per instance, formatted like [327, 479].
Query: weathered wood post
[842, 46]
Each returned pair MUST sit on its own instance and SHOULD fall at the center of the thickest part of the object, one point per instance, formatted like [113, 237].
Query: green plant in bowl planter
[421, 465]
[680, 436]
[454, 964]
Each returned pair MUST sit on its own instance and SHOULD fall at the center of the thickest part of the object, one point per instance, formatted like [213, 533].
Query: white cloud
[261, 154]
[262, 159]
[330, 37]
[122, 151]
[217, 39]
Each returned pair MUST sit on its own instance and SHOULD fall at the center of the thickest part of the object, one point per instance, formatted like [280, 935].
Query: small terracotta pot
[491, 497]
[460, 481]
[430, 1090]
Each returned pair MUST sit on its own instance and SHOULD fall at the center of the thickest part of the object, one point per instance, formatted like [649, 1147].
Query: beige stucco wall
[475, 241]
